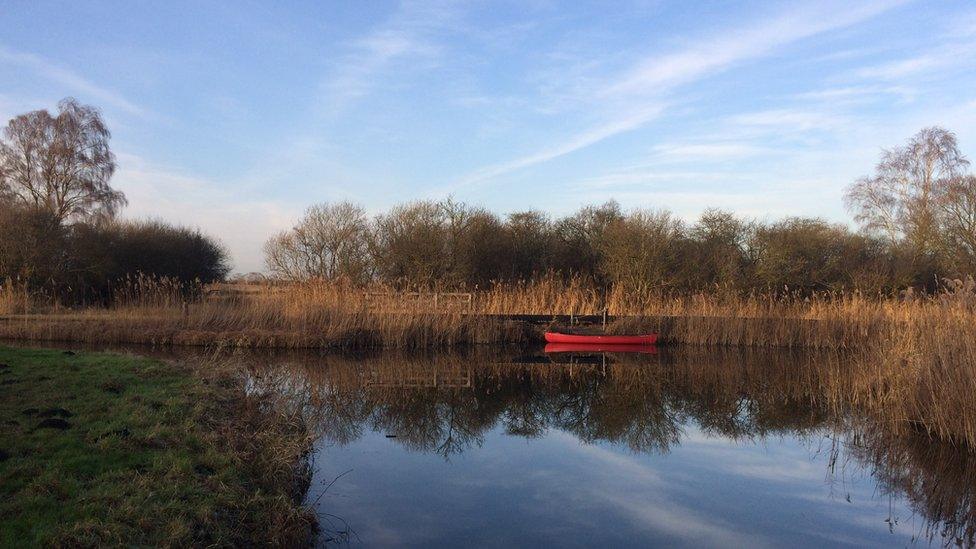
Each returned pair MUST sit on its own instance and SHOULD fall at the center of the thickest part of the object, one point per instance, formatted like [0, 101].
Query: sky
[235, 116]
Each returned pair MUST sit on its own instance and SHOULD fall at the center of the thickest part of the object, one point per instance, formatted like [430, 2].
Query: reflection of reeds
[938, 479]
[637, 400]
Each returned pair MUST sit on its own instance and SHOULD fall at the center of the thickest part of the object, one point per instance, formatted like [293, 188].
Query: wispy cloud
[857, 93]
[963, 25]
[356, 75]
[653, 175]
[789, 120]
[896, 70]
[947, 57]
[637, 96]
[405, 36]
[69, 79]
[706, 151]
[649, 503]
[739, 45]
[627, 122]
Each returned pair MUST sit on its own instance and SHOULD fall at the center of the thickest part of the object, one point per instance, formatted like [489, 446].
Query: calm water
[685, 447]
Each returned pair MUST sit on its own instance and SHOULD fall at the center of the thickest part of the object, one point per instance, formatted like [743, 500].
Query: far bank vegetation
[918, 229]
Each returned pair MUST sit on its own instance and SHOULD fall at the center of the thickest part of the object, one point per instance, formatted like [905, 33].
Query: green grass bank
[103, 449]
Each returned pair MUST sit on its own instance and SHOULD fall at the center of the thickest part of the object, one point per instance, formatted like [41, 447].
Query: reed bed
[921, 374]
[915, 356]
[310, 315]
[833, 321]
[14, 299]
[317, 314]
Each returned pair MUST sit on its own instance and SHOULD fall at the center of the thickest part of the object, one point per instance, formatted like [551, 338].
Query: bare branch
[61, 164]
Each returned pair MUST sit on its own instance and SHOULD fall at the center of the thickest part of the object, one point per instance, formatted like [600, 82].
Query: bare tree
[61, 164]
[805, 254]
[330, 241]
[457, 218]
[958, 218]
[719, 241]
[579, 237]
[530, 233]
[411, 244]
[638, 251]
[32, 246]
[901, 199]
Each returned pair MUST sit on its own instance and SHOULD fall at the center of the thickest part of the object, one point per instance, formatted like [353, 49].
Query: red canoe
[646, 339]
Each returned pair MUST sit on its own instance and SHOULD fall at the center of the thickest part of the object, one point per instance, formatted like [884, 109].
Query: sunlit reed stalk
[15, 298]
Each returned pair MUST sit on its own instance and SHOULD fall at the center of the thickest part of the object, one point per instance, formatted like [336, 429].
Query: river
[680, 447]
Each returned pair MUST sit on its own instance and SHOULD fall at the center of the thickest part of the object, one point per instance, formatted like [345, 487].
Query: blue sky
[234, 116]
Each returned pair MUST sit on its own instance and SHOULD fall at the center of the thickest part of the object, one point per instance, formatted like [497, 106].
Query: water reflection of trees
[447, 403]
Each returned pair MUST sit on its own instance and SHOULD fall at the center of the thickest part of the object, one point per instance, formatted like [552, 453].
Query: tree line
[59, 234]
[917, 217]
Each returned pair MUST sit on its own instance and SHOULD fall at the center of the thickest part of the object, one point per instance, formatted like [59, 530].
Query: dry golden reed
[14, 299]
[321, 315]
[311, 315]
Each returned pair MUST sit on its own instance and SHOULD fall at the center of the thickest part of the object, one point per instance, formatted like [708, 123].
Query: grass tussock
[99, 449]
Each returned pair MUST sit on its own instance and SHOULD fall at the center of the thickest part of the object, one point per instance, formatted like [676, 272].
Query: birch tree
[61, 164]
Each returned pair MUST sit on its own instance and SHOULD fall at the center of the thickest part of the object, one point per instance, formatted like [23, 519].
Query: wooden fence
[461, 302]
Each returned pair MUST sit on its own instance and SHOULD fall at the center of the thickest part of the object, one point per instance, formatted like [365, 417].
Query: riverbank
[324, 316]
[915, 353]
[104, 449]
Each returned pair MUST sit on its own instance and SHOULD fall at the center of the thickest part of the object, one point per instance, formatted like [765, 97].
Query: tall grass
[317, 314]
[312, 315]
[923, 368]
[150, 292]
[14, 298]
